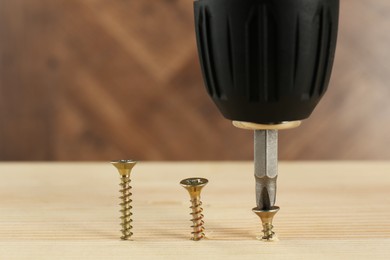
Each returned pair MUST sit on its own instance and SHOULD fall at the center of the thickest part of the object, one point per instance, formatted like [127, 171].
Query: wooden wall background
[100, 79]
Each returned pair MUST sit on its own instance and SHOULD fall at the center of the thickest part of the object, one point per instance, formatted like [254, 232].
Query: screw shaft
[197, 219]
[126, 207]
[267, 230]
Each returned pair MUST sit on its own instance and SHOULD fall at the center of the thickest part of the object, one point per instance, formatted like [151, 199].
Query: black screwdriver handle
[266, 61]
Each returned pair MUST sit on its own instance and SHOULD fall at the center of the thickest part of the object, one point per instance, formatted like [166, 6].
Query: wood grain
[329, 210]
[97, 80]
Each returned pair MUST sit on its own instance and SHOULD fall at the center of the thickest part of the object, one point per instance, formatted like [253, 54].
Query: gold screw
[124, 168]
[266, 217]
[194, 187]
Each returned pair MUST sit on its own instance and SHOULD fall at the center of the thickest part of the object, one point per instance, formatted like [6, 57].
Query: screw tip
[198, 237]
[271, 238]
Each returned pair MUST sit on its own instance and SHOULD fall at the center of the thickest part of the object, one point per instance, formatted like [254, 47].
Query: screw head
[194, 185]
[266, 215]
[124, 167]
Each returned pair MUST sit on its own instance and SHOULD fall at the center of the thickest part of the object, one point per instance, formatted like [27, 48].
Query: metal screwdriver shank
[194, 187]
[266, 167]
[266, 173]
[124, 168]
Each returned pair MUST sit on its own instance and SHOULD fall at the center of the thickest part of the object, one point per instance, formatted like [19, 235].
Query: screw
[124, 168]
[194, 187]
[266, 217]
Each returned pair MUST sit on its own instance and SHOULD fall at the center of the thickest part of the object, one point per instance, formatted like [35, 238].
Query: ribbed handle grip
[266, 61]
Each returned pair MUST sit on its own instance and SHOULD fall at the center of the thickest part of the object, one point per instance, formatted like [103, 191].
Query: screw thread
[197, 219]
[126, 207]
[267, 230]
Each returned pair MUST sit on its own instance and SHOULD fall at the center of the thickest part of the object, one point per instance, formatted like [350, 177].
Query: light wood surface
[69, 210]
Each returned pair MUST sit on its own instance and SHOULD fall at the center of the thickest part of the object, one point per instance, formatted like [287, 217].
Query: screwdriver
[266, 64]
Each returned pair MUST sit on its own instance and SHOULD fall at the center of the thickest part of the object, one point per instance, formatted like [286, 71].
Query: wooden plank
[328, 210]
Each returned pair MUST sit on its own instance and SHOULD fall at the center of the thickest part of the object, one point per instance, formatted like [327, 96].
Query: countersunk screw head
[194, 186]
[124, 166]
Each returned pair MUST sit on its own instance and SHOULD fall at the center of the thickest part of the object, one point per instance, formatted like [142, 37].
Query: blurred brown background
[100, 79]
